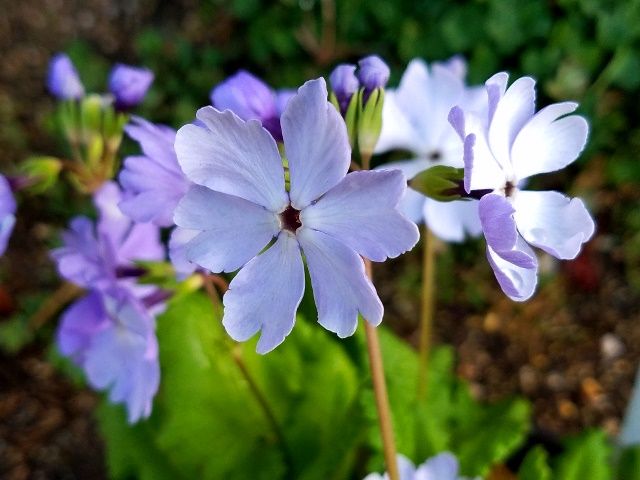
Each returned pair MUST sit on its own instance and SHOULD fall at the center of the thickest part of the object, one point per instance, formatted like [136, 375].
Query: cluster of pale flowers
[259, 183]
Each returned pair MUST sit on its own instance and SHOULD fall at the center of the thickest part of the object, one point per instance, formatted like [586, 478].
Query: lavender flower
[372, 73]
[344, 84]
[92, 256]
[63, 80]
[153, 183]
[441, 467]
[414, 118]
[7, 213]
[240, 206]
[511, 144]
[250, 98]
[129, 85]
[111, 336]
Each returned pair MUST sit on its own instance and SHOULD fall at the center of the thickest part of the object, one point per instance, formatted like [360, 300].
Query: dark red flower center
[290, 219]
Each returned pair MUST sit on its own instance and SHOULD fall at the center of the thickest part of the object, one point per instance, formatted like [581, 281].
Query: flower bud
[63, 80]
[344, 84]
[440, 182]
[41, 172]
[129, 85]
[373, 73]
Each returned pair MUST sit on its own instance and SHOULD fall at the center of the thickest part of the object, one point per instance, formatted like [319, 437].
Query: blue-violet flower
[509, 144]
[443, 466]
[240, 206]
[7, 213]
[63, 80]
[129, 85]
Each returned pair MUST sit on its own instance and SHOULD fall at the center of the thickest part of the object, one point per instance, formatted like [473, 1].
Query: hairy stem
[63, 295]
[426, 309]
[380, 391]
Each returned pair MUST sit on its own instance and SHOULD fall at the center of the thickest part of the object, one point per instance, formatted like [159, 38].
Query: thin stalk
[236, 354]
[209, 283]
[426, 309]
[63, 295]
[380, 391]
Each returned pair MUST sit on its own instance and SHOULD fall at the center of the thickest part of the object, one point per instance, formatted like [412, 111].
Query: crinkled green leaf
[535, 466]
[587, 456]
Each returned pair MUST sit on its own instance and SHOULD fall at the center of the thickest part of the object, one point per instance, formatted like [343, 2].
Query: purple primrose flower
[129, 85]
[63, 80]
[443, 466]
[92, 256]
[250, 98]
[111, 335]
[509, 144]
[153, 183]
[7, 213]
[240, 205]
[414, 118]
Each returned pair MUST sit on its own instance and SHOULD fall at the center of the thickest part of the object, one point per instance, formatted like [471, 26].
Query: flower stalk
[426, 309]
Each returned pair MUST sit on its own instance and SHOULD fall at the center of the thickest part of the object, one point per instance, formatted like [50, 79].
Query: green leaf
[587, 456]
[535, 466]
[629, 464]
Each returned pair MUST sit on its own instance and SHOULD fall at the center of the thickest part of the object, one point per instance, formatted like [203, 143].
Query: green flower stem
[426, 309]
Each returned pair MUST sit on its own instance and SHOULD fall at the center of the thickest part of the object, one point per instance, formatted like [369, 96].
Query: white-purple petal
[443, 466]
[512, 112]
[234, 157]
[452, 221]
[316, 144]
[341, 288]
[498, 225]
[7, 213]
[517, 282]
[265, 295]
[549, 141]
[178, 241]
[361, 212]
[232, 229]
[557, 224]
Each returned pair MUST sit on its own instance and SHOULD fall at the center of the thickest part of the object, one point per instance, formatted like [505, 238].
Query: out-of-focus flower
[7, 213]
[443, 466]
[129, 85]
[251, 99]
[111, 335]
[373, 73]
[153, 183]
[63, 80]
[240, 205]
[92, 256]
[507, 146]
[344, 84]
[414, 118]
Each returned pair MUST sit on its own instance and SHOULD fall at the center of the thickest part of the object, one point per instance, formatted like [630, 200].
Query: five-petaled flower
[414, 118]
[240, 205]
[510, 144]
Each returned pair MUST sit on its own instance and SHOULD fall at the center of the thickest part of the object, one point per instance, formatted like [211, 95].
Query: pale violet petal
[397, 132]
[513, 111]
[316, 144]
[452, 221]
[495, 86]
[178, 241]
[6, 228]
[361, 212]
[340, 287]
[518, 283]
[443, 466]
[265, 295]
[498, 225]
[412, 203]
[557, 224]
[79, 323]
[234, 157]
[547, 142]
[233, 230]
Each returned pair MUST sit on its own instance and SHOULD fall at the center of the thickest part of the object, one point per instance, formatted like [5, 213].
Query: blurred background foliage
[582, 50]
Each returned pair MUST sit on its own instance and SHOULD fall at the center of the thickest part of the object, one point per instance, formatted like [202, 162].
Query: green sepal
[369, 120]
[43, 172]
[440, 182]
[350, 118]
